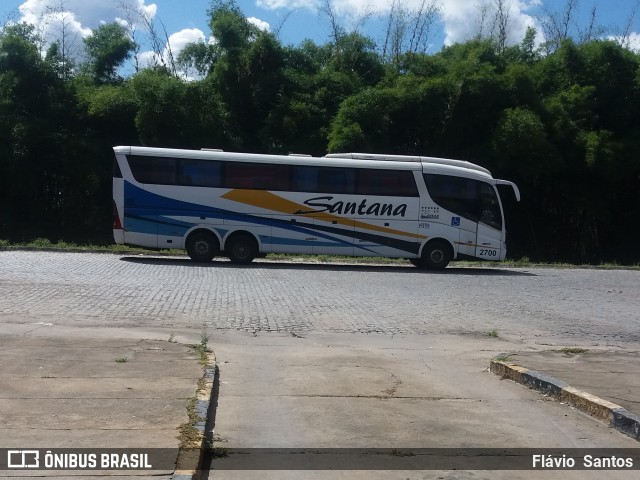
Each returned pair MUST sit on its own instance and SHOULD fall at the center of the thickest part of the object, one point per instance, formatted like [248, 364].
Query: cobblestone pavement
[555, 306]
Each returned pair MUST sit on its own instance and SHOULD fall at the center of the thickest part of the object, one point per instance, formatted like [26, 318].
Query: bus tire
[241, 248]
[202, 246]
[436, 255]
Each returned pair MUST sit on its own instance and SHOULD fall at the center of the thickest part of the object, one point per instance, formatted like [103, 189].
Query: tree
[526, 51]
[108, 47]
[248, 73]
[230, 27]
[198, 57]
[410, 117]
[521, 145]
[50, 175]
[64, 42]
[408, 31]
[357, 57]
[310, 95]
[178, 114]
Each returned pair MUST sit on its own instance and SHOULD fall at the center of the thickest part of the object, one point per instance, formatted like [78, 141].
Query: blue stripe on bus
[171, 207]
[138, 201]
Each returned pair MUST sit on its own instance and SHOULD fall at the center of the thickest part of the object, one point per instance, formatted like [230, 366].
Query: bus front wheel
[202, 246]
[241, 248]
[435, 256]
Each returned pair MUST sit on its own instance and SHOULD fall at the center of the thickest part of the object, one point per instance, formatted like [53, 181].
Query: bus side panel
[333, 238]
[152, 220]
[291, 234]
[138, 230]
[388, 238]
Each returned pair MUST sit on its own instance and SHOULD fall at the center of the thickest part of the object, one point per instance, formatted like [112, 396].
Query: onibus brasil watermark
[88, 459]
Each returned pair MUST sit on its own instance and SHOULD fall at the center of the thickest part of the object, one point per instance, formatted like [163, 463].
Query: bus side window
[273, 177]
[304, 179]
[394, 183]
[238, 175]
[199, 173]
[336, 180]
[257, 176]
[153, 170]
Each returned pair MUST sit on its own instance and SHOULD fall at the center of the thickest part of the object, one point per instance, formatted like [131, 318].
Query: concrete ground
[374, 391]
[75, 388]
[62, 387]
[612, 374]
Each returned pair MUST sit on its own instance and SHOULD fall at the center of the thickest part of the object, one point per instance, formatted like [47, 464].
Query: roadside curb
[614, 415]
[190, 456]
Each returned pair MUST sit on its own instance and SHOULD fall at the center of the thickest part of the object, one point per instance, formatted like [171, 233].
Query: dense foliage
[564, 126]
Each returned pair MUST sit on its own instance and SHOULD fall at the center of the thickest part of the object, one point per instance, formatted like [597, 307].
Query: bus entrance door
[489, 223]
[468, 235]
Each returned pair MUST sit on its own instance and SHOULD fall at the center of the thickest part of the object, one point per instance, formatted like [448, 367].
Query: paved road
[532, 306]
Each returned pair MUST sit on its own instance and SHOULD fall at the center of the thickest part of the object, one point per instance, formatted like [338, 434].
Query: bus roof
[368, 160]
[407, 158]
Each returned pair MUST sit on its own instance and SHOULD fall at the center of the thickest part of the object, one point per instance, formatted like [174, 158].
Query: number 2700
[488, 253]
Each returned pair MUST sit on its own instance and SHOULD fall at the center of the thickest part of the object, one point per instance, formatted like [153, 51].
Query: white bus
[428, 210]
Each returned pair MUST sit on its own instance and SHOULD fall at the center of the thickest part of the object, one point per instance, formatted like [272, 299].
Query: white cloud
[288, 4]
[54, 25]
[148, 59]
[76, 19]
[632, 42]
[463, 20]
[173, 47]
[262, 25]
[361, 7]
[89, 13]
[180, 39]
[341, 7]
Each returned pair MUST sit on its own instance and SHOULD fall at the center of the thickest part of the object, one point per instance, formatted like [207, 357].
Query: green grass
[202, 348]
[524, 262]
[574, 350]
[190, 436]
[45, 243]
[122, 360]
[286, 257]
[503, 357]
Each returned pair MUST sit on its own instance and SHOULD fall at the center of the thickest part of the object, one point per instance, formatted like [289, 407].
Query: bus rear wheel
[202, 246]
[417, 262]
[241, 248]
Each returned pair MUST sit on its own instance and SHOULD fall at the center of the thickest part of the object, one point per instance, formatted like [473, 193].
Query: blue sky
[296, 20]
